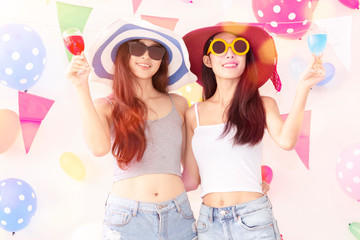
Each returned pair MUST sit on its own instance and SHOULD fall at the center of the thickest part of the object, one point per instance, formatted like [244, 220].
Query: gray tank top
[163, 150]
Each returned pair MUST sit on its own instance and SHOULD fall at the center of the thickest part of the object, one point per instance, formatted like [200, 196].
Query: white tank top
[223, 166]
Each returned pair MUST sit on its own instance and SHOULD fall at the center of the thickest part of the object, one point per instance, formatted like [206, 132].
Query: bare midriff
[153, 188]
[225, 199]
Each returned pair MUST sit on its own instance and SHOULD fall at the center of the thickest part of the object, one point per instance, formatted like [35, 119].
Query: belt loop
[268, 200]
[211, 218]
[107, 199]
[177, 205]
[233, 209]
[135, 208]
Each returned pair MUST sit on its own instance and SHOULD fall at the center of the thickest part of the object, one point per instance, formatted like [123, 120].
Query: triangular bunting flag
[72, 16]
[339, 37]
[164, 22]
[302, 146]
[32, 110]
[136, 4]
[29, 130]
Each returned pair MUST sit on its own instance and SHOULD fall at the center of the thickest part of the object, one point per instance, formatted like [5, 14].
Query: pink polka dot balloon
[354, 4]
[285, 18]
[348, 171]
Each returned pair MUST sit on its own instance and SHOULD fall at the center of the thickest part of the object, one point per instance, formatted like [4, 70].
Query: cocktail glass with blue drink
[317, 40]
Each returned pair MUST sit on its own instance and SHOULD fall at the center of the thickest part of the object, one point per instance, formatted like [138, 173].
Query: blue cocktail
[317, 43]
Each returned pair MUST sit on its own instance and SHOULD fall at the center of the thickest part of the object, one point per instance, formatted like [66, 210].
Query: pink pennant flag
[164, 22]
[302, 146]
[32, 110]
[136, 4]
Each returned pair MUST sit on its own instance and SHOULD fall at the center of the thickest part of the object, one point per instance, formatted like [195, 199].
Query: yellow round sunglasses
[240, 46]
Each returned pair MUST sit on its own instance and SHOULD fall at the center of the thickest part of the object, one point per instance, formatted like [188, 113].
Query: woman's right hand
[313, 74]
[78, 70]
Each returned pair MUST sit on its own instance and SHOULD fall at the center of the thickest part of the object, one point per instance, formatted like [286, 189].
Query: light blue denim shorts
[252, 220]
[127, 219]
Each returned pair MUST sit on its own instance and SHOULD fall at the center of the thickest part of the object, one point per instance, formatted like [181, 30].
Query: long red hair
[245, 112]
[129, 112]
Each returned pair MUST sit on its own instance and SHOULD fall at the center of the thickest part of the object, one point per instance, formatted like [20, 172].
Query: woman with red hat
[225, 131]
[143, 126]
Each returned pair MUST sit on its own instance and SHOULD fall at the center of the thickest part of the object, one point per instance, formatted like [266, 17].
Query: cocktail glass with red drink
[74, 40]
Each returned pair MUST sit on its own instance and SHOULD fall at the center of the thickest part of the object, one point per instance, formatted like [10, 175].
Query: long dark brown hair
[246, 111]
[129, 112]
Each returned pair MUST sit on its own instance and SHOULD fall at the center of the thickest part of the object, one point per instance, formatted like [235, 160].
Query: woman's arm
[286, 134]
[190, 175]
[95, 115]
[181, 105]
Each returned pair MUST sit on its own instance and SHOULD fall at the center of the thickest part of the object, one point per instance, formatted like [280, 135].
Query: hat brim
[261, 43]
[102, 53]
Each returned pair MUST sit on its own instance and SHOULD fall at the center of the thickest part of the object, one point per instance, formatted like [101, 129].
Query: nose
[146, 54]
[230, 53]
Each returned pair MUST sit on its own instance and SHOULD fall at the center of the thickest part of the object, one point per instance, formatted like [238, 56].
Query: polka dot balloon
[17, 204]
[22, 56]
[348, 171]
[288, 19]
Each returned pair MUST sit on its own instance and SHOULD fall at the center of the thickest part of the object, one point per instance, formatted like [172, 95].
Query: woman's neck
[225, 91]
[144, 89]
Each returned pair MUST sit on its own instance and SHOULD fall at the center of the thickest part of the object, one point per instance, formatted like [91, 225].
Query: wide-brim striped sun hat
[261, 43]
[103, 51]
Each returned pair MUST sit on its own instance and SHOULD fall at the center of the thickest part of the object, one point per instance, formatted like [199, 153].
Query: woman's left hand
[313, 74]
[265, 187]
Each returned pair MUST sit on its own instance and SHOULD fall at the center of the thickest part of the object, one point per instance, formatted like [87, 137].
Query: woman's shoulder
[104, 104]
[268, 102]
[104, 101]
[268, 99]
[180, 102]
[178, 99]
[191, 112]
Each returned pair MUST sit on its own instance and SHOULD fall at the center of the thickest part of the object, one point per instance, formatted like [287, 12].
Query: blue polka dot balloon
[22, 56]
[17, 204]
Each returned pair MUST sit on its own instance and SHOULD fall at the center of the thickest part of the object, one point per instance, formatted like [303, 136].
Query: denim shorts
[127, 219]
[251, 220]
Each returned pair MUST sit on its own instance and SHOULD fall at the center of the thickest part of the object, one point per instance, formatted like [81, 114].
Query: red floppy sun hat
[261, 43]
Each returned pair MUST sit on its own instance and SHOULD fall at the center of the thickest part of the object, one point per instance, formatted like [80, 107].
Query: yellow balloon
[72, 166]
[192, 92]
[9, 129]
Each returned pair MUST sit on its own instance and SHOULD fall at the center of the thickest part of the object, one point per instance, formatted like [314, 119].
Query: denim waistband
[147, 206]
[232, 212]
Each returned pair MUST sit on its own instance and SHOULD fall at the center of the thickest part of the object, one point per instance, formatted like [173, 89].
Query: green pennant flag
[72, 16]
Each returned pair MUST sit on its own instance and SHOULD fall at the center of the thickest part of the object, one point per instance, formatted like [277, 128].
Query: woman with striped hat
[142, 124]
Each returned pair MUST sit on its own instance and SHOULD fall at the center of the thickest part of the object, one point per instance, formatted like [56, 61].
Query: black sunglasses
[138, 49]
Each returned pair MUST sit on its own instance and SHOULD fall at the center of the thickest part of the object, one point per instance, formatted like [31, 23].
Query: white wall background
[309, 204]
